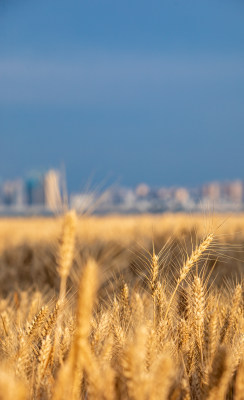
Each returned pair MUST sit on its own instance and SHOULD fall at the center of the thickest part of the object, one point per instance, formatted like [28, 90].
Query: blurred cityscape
[44, 193]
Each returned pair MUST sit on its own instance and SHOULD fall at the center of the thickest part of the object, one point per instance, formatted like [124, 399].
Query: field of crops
[122, 307]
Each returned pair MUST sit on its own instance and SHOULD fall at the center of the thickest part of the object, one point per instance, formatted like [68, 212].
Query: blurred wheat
[140, 324]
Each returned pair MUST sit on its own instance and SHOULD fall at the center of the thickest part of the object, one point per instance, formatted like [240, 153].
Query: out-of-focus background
[147, 96]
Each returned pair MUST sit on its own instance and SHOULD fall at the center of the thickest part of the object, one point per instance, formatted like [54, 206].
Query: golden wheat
[165, 334]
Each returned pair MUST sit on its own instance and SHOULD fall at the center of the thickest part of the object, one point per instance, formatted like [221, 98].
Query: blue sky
[127, 91]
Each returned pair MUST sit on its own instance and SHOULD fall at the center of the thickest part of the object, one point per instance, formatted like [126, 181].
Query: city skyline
[44, 192]
[104, 184]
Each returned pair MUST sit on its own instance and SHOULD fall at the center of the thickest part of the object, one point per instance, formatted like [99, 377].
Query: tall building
[235, 192]
[182, 195]
[13, 193]
[142, 190]
[52, 191]
[212, 191]
[35, 190]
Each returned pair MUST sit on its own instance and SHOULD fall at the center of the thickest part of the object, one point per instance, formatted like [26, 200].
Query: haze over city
[126, 92]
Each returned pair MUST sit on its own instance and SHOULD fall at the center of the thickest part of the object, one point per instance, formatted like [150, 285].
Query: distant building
[13, 193]
[52, 193]
[35, 190]
[212, 191]
[182, 195]
[142, 190]
[235, 192]
[165, 194]
[43, 189]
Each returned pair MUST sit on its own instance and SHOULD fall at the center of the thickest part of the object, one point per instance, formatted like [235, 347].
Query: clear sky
[130, 91]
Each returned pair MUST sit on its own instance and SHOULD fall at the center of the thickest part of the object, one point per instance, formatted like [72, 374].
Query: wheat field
[122, 307]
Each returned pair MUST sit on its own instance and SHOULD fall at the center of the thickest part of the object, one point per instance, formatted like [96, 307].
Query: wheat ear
[37, 322]
[189, 263]
[66, 250]
[227, 330]
[80, 351]
[197, 310]
[44, 358]
[154, 270]
[213, 334]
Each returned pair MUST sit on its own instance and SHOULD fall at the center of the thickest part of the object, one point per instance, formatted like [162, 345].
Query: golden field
[122, 307]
